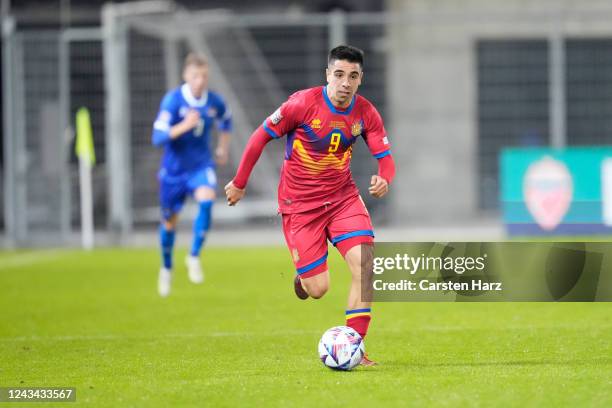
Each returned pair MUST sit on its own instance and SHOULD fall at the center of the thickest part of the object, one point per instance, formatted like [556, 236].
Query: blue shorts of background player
[173, 191]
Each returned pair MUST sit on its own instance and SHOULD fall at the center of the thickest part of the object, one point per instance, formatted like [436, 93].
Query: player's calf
[316, 286]
[358, 313]
[312, 276]
[201, 225]
[166, 242]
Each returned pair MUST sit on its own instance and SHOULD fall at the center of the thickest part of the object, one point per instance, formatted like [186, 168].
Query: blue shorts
[174, 190]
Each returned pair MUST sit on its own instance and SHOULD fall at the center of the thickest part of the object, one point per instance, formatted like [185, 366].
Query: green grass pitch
[94, 321]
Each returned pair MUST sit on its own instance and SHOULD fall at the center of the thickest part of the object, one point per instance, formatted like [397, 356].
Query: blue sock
[200, 226]
[166, 240]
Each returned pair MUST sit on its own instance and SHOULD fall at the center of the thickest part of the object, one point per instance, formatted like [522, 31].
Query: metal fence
[36, 173]
[48, 75]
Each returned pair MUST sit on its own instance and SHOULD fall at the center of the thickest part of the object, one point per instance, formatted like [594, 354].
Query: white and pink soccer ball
[341, 348]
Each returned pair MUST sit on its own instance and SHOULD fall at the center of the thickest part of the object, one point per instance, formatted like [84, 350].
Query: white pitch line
[164, 336]
[29, 258]
[267, 334]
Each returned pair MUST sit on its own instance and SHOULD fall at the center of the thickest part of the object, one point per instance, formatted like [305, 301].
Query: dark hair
[346, 52]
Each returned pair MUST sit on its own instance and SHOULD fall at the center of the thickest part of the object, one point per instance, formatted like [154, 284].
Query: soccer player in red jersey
[317, 196]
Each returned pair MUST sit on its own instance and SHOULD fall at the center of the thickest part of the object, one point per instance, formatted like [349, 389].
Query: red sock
[359, 320]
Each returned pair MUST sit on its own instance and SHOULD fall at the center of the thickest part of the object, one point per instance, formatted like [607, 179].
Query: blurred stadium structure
[455, 82]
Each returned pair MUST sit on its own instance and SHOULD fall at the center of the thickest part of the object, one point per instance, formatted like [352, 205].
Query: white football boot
[194, 268]
[164, 282]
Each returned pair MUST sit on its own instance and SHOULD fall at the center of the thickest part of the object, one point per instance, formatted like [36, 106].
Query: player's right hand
[191, 119]
[378, 186]
[233, 193]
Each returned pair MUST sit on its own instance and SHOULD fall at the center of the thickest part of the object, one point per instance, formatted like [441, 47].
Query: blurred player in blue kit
[186, 118]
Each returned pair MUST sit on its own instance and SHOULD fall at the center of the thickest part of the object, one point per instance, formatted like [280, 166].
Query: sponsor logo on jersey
[315, 124]
[211, 112]
[337, 124]
[548, 190]
[276, 117]
[356, 129]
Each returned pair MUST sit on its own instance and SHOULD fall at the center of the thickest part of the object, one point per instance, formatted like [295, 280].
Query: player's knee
[204, 194]
[360, 259]
[170, 223]
[318, 292]
[316, 289]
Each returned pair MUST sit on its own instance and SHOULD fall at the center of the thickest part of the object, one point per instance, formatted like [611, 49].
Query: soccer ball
[341, 348]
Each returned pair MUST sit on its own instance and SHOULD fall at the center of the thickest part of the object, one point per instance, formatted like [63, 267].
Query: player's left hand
[378, 186]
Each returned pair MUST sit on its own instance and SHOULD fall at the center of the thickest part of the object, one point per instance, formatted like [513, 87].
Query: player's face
[343, 79]
[197, 78]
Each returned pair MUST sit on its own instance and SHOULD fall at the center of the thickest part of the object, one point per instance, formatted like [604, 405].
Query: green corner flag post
[84, 149]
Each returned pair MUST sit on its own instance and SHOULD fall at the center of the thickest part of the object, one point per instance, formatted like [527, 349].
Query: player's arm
[189, 122]
[167, 127]
[379, 185]
[222, 150]
[376, 138]
[282, 121]
[235, 189]
[224, 125]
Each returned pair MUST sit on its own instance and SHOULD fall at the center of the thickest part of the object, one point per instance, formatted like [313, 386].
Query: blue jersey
[190, 152]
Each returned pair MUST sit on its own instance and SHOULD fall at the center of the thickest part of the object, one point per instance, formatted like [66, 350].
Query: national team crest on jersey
[356, 129]
[212, 112]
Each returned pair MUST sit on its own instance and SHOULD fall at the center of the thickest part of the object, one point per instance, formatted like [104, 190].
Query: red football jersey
[320, 138]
